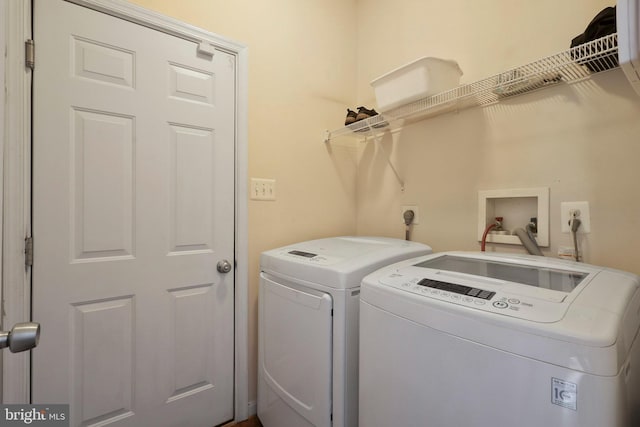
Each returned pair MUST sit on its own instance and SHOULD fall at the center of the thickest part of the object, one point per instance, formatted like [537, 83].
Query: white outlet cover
[585, 216]
[416, 213]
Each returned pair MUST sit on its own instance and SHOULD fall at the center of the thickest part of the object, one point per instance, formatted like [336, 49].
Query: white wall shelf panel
[575, 64]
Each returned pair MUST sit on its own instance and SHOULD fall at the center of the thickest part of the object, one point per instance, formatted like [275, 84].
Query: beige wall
[582, 141]
[310, 59]
[302, 61]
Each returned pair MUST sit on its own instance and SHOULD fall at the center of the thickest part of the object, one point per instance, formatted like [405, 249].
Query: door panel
[102, 183]
[133, 196]
[105, 361]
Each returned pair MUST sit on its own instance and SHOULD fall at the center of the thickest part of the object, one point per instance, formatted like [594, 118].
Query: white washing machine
[308, 327]
[490, 340]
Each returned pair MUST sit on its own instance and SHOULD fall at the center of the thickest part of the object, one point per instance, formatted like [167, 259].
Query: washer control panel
[457, 289]
[471, 295]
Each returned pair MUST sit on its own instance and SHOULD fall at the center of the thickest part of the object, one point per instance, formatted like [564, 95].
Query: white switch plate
[585, 216]
[263, 189]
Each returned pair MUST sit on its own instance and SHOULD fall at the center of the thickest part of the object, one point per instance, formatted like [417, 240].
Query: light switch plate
[263, 189]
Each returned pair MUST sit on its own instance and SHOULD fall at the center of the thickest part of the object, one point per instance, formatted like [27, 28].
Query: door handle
[22, 337]
[224, 266]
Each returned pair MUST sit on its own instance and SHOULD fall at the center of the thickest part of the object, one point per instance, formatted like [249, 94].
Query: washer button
[513, 301]
[500, 304]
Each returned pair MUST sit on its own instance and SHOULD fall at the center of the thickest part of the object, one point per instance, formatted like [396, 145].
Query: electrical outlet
[263, 189]
[416, 214]
[578, 210]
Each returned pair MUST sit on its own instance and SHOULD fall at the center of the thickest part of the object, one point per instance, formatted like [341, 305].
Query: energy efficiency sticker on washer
[564, 394]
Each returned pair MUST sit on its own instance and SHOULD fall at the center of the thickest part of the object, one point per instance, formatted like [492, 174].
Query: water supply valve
[498, 223]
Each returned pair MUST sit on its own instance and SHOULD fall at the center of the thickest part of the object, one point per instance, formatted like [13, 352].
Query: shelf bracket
[378, 140]
[370, 132]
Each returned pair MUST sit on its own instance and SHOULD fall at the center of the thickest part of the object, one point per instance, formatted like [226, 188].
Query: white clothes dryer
[493, 340]
[308, 327]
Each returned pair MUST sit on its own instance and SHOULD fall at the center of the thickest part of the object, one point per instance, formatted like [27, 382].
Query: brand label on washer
[564, 393]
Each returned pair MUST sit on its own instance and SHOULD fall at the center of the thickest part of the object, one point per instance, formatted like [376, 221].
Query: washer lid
[338, 262]
[590, 328]
[536, 289]
[555, 282]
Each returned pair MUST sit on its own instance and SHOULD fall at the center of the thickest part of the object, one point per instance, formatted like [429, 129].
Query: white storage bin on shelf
[418, 79]
[628, 23]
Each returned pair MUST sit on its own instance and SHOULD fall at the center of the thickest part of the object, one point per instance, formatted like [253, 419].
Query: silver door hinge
[30, 53]
[28, 251]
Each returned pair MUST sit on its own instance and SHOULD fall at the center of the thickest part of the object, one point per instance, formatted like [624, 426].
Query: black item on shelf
[602, 25]
[351, 117]
[365, 113]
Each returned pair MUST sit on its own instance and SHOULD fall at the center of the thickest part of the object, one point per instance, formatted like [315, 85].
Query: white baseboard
[253, 408]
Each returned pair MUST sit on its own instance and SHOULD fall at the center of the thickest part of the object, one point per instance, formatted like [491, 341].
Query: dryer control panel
[309, 257]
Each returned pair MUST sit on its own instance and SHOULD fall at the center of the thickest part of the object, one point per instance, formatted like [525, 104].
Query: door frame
[16, 182]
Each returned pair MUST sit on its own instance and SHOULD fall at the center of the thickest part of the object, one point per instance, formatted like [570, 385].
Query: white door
[133, 206]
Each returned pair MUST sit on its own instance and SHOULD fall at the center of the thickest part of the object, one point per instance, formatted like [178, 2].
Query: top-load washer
[484, 340]
[308, 327]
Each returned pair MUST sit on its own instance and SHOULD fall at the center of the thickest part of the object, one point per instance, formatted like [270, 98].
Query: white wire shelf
[569, 66]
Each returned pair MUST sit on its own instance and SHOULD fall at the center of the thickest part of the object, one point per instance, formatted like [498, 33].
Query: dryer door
[295, 354]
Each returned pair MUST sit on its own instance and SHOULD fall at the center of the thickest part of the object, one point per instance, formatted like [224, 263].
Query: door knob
[22, 337]
[224, 266]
